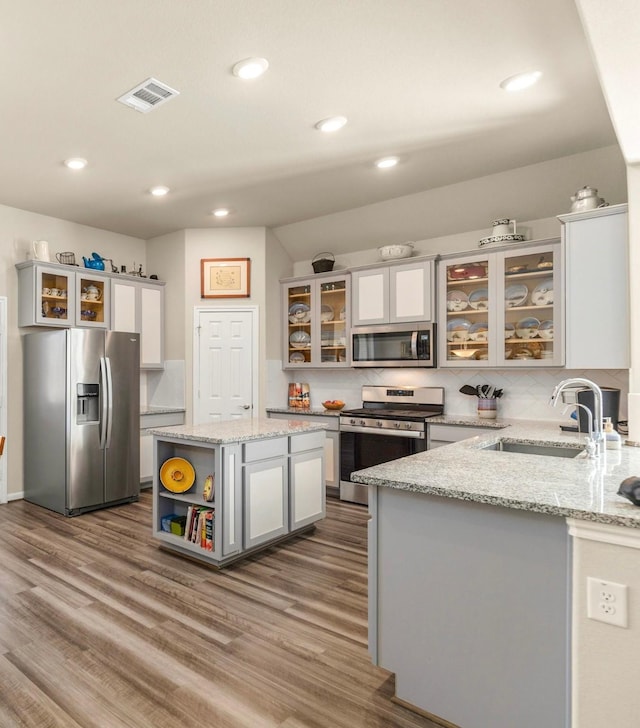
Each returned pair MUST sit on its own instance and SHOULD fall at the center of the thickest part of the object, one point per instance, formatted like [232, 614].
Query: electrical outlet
[607, 601]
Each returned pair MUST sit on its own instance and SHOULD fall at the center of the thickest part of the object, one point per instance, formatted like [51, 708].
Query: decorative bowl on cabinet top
[397, 250]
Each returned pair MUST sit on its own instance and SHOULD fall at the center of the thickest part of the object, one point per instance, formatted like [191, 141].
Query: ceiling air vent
[148, 95]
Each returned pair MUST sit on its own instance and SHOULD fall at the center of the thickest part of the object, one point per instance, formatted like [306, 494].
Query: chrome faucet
[595, 439]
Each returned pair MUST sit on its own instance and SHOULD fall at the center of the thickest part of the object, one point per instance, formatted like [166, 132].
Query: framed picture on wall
[225, 277]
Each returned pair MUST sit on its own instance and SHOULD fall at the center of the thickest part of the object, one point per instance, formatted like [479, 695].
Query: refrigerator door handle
[104, 405]
[109, 402]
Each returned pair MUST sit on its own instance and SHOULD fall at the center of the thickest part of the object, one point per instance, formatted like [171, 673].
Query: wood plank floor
[100, 627]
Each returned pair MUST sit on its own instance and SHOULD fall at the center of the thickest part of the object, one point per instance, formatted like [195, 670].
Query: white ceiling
[416, 78]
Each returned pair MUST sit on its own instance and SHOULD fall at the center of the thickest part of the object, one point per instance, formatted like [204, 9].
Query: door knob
[246, 406]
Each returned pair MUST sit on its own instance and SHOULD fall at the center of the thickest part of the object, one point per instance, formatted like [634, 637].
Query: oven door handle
[414, 434]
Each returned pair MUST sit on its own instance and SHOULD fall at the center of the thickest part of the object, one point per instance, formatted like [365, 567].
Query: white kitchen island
[268, 480]
[478, 561]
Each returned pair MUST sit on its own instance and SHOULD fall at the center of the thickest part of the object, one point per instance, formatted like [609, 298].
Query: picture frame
[225, 277]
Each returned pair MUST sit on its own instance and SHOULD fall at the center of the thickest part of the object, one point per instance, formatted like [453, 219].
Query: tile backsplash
[526, 391]
[164, 388]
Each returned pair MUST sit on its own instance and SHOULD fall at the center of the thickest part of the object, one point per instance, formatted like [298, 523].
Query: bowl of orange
[333, 404]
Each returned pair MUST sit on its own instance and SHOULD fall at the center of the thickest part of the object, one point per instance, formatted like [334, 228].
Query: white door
[225, 366]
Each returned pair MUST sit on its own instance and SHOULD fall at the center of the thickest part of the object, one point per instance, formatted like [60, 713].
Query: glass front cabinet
[502, 308]
[316, 321]
[59, 295]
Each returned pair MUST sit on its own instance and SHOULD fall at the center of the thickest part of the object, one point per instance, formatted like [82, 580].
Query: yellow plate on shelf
[177, 475]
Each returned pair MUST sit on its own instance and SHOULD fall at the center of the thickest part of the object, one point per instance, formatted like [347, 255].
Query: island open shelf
[267, 483]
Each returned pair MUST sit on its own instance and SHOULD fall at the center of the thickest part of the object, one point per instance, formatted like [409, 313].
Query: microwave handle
[414, 345]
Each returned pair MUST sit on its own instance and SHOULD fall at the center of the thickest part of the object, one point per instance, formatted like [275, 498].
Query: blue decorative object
[96, 262]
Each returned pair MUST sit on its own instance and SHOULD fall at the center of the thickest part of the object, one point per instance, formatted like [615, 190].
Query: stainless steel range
[391, 424]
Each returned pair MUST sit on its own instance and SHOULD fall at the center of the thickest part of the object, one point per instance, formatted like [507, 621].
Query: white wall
[225, 243]
[633, 174]
[278, 265]
[17, 229]
[166, 258]
[467, 241]
[542, 190]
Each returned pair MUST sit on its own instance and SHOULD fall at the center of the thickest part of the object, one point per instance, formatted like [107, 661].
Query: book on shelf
[208, 539]
[187, 527]
[199, 526]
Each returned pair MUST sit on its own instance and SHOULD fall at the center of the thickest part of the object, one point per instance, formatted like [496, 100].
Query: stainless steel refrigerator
[81, 419]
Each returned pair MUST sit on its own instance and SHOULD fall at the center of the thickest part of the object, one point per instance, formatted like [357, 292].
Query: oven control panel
[382, 424]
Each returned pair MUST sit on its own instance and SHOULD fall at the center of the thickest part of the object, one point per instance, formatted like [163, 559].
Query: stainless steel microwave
[395, 345]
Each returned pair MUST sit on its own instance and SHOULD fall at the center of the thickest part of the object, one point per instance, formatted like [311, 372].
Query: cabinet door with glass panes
[316, 323]
[531, 312]
[298, 326]
[467, 313]
[92, 300]
[54, 296]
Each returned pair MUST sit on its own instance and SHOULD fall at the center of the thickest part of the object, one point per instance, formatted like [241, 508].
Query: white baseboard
[15, 496]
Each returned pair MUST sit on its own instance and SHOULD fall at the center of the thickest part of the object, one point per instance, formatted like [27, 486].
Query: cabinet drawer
[264, 449]
[308, 441]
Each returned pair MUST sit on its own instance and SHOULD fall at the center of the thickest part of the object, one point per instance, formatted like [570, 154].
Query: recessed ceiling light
[159, 191]
[521, 81]
[75, 163]
[331, 124]
[387, 162]
[250, 68]
[221, 212]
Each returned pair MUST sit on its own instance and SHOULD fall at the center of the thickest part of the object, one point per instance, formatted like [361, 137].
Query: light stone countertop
[582, 488]
[229, 431]
[147, 410]
[470, 421]
[297, 411]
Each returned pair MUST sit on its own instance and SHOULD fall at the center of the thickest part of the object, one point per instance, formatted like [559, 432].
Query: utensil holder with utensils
[487, 408]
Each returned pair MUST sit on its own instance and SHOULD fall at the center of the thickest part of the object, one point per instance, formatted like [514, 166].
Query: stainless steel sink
[527, 448]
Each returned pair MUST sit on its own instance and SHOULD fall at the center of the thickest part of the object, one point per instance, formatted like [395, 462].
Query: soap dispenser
[612, 438]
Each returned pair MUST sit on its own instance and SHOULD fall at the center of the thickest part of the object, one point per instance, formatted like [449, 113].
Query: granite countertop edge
[160, 410]
[582, 489]
[302, 412]
[235, 431]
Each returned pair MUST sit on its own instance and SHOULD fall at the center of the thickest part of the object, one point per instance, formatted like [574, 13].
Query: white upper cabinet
[401, 292]
[138, 306]
[597, 280]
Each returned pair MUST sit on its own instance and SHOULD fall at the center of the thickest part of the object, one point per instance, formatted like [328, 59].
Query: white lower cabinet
[306, 492]
[306, 480]
[331, 445]
[265, 486]
[332, 460]
[263, 490]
